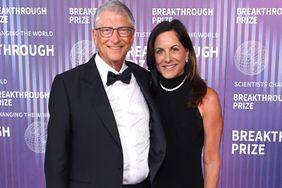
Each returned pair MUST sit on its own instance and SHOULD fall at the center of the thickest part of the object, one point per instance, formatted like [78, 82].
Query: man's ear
[94, 36]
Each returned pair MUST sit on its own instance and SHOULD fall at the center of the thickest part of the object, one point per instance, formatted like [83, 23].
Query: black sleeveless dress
[183, 127]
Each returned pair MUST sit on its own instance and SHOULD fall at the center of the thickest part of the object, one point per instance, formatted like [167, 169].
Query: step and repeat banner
[239, 49]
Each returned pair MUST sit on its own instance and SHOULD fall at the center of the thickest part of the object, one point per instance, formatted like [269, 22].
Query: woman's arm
[210, 110]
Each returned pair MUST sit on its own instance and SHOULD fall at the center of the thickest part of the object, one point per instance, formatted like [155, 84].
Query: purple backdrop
[238, 45]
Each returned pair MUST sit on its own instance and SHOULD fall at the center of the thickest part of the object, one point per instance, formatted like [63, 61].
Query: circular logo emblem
[251, 58]
[36, 136]
[81, 52]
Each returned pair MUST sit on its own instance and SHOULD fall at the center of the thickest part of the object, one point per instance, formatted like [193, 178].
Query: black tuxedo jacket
[83, 147]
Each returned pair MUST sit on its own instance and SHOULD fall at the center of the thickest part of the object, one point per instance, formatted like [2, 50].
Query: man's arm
[58, 136]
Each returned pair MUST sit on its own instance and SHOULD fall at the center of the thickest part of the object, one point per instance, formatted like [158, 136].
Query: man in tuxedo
[104, 130]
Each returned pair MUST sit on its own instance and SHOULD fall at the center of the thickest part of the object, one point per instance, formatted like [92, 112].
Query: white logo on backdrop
[81, 52]
[251, 58]
[36, 136]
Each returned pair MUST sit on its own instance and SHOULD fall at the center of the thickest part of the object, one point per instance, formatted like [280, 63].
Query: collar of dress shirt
[103, 68]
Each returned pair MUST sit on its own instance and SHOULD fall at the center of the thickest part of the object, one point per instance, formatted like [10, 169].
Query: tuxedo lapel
[157, 138]
[97, 96]
[142, 82]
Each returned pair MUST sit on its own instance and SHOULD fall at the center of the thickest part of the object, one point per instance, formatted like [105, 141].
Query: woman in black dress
[190, 111]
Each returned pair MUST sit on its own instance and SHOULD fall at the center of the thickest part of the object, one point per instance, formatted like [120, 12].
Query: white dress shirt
[132, 117]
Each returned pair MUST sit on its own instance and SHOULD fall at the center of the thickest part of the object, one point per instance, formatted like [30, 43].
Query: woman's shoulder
[210, 101]
[211, 98]
[211, 94]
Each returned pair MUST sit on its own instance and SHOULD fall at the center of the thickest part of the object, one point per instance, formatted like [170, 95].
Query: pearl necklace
[175, 88]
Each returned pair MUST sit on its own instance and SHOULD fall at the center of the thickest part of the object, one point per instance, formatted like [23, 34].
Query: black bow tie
[125, 77]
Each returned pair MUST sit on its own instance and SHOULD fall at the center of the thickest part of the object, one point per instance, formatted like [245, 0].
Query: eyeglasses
[122, 31]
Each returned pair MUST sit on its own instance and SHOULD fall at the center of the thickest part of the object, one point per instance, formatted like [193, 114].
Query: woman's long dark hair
[199, 86]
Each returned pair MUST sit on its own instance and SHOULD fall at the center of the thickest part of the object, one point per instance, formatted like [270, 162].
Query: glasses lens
[124, 31]
[106, 31]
